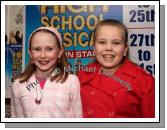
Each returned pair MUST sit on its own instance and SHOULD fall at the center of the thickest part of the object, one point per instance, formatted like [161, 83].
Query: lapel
[109, 84]
[105, 83]
[32, 83]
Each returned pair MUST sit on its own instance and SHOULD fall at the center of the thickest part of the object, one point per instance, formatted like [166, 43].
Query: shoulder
[138, 76]
[72, 80]
[135, 70]
[72, 77]
[88, 72]
[141, 72]
[17, 83]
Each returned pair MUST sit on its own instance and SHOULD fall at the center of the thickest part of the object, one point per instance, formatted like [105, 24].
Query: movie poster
[13, 49]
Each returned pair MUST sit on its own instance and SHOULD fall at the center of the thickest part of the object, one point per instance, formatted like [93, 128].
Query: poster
[77, 22]
[140, 20]
[13, 49]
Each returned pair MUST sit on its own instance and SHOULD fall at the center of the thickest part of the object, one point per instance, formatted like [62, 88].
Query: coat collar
[102, 82]
[128, 68]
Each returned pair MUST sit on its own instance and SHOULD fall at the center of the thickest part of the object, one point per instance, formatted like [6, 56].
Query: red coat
[130, 92]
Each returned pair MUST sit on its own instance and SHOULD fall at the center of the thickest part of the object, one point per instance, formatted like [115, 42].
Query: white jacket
[57, 100]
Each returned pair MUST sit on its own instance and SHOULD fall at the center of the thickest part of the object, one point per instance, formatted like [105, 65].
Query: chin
[107, 65]
[44, 69]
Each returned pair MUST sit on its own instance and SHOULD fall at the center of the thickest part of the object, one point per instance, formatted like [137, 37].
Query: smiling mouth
[43, 62]
[108, 57]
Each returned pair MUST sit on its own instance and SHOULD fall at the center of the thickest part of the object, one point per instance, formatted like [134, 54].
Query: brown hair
[116, 23]
[61, 63]
[112, 22]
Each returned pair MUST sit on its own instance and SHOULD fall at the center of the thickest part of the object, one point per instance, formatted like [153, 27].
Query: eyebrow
[112, 40]
[45, 46]
[120, 40]
[101, 39]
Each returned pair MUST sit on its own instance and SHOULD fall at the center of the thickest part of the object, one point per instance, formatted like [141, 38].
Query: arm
[16, 108]
[148, 101]
[76, 104]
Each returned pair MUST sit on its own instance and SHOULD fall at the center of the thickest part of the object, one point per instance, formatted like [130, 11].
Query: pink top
[42, 83]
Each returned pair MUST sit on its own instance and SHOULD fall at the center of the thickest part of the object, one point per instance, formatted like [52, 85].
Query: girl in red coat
[117, 88]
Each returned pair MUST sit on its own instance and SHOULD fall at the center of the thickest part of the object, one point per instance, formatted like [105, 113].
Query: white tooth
[108, 56]
[43, 62]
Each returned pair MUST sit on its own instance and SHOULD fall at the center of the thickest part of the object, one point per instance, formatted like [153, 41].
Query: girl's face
[110, 46]
[44, 51]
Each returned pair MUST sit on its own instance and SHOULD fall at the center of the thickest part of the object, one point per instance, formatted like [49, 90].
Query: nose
[109, 46]
[43, 54]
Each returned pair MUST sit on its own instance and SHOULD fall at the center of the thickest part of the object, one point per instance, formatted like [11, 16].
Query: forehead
[109, 26]
[109, 31]
[42, 33]
[43, 39]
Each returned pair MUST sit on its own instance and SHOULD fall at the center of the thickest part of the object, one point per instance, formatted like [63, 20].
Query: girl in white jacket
[46, 89]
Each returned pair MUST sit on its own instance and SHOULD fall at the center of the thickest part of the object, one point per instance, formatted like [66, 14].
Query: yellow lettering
[68, 22]
[71, 8]
[95, 19]
[19, 55]
[44, 9]
[62, 9]
[82, 8]
[82, 23]
[45, 21]
[75, 39]
[55, 18]
[83, 44]
[67, 39]
[92, 40]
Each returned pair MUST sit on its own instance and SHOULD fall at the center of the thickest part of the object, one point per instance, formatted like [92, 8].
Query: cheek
[120, 51]
[34, 55]
[97, 53]
[53, 56]
[98, 50]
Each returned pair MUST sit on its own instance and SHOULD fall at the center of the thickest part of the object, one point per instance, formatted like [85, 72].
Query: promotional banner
[13, 44]
[76, 24]
[141, 25]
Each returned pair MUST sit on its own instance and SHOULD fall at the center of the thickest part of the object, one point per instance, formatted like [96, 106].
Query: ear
[60, 53]
[126, 48]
